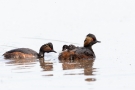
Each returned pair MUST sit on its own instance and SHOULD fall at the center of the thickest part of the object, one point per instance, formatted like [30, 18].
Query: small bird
[80, 53]
[26, 53]
[68, 47]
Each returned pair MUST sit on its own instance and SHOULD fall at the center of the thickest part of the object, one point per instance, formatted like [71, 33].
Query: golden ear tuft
[87, 40]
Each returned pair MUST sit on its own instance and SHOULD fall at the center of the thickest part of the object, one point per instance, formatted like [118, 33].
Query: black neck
[41, 54]
[90, 47]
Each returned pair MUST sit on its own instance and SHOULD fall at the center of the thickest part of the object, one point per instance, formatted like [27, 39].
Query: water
[31, 24]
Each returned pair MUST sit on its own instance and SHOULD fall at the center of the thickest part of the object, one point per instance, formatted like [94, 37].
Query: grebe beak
[98, 41]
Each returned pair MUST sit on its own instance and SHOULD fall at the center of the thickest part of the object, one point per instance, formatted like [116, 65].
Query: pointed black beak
[98, 41]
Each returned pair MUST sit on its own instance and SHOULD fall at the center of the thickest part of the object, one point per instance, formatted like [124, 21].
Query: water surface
[31, 24]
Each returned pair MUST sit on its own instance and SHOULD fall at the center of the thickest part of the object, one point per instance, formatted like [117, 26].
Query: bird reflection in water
[47, 66]
[87, 65]
[21, 65]
[79, 64]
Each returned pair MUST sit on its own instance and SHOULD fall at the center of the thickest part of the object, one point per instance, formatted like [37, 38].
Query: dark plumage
[79, 53]
[68, 47]
[26, 53]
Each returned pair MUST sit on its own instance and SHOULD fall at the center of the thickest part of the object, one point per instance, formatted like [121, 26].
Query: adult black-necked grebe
[26, 53]
[78, 53]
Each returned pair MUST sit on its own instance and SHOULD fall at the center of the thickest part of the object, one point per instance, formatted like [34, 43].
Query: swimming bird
[79, 53]
[26, 53]
[68, 47]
